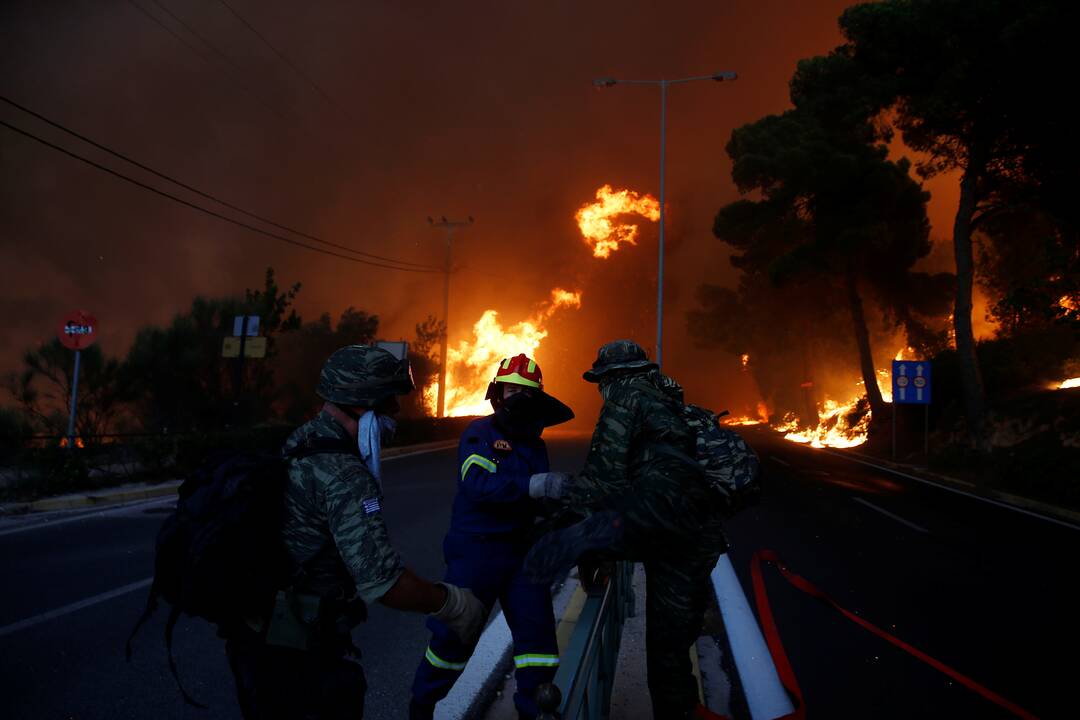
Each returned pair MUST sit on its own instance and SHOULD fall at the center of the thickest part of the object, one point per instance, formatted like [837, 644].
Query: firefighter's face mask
[521, 414]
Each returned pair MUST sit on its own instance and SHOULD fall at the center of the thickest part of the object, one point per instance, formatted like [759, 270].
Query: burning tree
[836, 218]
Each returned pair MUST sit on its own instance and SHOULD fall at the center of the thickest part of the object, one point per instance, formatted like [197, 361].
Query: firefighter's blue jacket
[493, 481]
[490, 533]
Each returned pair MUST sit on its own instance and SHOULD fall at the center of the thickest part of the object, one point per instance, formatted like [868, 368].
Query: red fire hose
[780, 660]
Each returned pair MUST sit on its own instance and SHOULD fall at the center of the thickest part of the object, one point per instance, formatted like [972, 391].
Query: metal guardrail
[583, 683]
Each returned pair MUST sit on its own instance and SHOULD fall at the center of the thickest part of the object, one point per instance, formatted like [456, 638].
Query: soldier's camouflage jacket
[333, 525]
[629, 469]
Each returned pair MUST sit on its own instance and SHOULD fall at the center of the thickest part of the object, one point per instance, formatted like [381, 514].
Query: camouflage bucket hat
[363, 375]
[619, 355]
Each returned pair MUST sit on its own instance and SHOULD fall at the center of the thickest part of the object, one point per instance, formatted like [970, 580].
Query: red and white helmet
[523, 371]
[520, 370]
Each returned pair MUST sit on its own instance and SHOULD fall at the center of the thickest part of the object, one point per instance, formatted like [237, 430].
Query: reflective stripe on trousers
[535, 660]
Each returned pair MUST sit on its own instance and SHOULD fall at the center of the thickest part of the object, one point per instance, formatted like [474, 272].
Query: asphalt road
[72, 666]
[986, 590]
[989, 591]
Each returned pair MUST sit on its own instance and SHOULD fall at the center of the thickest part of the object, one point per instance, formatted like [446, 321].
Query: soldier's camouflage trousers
[677, 570]
[279, 683]
[676, 596]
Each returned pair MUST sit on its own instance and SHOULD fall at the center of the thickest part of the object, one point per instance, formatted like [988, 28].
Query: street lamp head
[604, 82]
[725, 75]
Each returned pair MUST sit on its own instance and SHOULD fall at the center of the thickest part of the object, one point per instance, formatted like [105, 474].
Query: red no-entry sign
[77, 330]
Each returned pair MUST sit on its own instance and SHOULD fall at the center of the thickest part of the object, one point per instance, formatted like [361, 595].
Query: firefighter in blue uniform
[503, 471]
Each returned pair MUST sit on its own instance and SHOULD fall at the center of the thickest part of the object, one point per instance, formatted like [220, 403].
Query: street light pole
[609, 82]
[449, 226]
[660, 262]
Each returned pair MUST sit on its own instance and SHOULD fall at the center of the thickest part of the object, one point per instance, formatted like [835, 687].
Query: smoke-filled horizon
[398, 112]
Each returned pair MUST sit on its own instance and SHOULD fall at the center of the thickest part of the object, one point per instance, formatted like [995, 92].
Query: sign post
[76, 331]
[245, 342]
[911, 386]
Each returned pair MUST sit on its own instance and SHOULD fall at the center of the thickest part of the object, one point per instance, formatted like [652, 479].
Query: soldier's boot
[558, 551]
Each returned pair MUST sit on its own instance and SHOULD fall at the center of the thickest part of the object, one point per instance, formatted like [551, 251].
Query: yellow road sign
[254, 347]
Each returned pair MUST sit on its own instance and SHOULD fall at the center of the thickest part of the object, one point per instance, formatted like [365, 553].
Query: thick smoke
[435, 110]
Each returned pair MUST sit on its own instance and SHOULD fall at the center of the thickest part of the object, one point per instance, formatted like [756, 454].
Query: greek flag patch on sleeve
[371, 505]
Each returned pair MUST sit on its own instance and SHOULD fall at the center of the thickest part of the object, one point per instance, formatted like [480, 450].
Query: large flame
[834, 428]
[838, 425]
[471, 364]
[1070, 383]
[599, 221]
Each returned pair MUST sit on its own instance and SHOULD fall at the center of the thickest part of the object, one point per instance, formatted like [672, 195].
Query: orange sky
[435, 110]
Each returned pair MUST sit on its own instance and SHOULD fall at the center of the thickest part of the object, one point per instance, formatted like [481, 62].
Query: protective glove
[550, 485]
[462, 612]
[558, 551]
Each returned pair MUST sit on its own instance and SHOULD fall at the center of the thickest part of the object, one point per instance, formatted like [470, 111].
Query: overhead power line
[285, 59]
[202, 209]
[207, 195]
[232, 76]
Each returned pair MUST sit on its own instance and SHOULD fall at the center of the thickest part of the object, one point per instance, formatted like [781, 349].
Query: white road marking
[886, 513]
[782, 462]
[73, 607]
[924, 481]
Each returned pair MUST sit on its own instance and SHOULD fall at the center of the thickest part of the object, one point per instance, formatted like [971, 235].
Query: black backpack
[219, 555]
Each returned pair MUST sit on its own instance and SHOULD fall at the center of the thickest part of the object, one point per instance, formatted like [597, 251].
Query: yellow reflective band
[506, 364]
[480, 460]
[440, 663]
[517, 379]
[536, 660]
[532, 366]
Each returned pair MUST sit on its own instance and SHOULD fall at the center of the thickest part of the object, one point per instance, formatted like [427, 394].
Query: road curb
[421, 447]
[125, 494]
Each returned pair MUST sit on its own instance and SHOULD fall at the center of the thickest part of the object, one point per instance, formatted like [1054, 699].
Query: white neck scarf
[370, 432]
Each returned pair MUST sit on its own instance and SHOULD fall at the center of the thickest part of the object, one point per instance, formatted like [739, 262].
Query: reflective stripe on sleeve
[480, 460]
[440, 663]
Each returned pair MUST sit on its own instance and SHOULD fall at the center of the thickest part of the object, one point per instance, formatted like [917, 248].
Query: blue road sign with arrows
[911, 382]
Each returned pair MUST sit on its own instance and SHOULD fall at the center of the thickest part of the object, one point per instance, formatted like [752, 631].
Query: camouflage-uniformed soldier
[647, 501]
[304, 665]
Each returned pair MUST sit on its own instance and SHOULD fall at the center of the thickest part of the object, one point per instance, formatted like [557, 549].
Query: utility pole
[450, 226]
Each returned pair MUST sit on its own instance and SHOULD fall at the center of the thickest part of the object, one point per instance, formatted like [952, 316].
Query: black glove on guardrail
[558, 551]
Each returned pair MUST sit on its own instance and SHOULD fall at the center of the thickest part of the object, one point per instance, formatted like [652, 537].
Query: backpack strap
[151, 606]
[174, 615]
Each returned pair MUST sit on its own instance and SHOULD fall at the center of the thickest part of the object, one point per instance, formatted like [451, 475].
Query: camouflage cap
[363, 375]
[619, 355]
